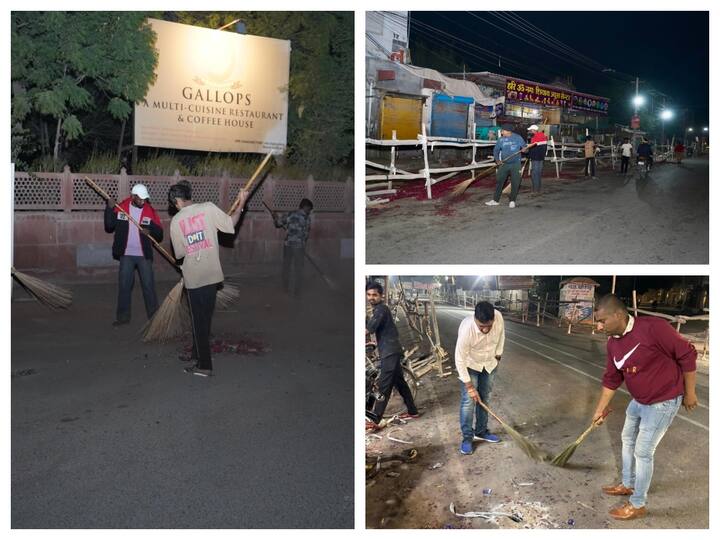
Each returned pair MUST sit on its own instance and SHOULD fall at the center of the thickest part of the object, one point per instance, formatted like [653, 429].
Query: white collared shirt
[476, 350]
[629, 327]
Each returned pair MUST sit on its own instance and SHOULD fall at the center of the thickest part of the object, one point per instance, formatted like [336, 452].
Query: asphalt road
[546, 387]
[661, 219]
[110, 433]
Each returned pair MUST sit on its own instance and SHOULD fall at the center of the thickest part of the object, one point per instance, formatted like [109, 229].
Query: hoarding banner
[530, 92]
[215, 91]
[584, 102]
[514, 282]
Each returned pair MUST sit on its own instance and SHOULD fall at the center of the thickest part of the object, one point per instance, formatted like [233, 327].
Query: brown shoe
[628, 511]
[617, 490]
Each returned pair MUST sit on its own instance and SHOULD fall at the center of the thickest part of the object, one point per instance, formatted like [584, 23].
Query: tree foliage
[65, 64]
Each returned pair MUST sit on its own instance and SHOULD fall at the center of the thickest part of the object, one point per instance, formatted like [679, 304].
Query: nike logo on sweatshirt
[621, 363]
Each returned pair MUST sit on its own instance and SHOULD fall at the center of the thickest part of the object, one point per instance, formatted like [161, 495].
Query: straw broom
[529, 448]
[172, 318]
[563, 457]
[46, 293]
[330, 283]
[462, 186]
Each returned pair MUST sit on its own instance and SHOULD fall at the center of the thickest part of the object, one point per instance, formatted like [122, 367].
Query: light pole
[665, 114]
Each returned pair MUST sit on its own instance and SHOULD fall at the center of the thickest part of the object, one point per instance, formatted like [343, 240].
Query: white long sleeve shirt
[476, 350]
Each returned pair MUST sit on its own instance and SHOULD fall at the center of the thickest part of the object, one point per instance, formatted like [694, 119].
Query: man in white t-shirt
[626, 151]
[479, 347]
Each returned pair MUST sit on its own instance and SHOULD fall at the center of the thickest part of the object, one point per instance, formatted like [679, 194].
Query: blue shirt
[506, 146]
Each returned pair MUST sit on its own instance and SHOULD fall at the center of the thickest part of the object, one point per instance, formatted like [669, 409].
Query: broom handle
[104, 195]
[480, 402]
[585, 433]
[249, 183]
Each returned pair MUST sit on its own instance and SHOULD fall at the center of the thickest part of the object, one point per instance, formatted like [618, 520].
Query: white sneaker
[512, 204]
[492, 202]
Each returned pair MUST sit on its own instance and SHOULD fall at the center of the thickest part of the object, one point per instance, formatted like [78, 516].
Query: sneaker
[408, 416]
[492, 202]
[466, 448]
[487, 437]
[199, 372]
[120, 323]
[512, 204]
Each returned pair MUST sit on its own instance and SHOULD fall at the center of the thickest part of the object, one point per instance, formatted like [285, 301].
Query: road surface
[110, 433]
[546, 386]
[661, 219]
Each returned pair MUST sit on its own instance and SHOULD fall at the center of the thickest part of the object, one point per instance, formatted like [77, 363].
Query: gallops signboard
[215, 91]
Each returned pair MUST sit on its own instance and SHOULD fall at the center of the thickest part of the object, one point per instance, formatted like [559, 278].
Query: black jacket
[120, 225]
[382, 325]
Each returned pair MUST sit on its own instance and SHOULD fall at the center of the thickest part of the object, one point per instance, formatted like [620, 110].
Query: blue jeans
[536, 174]
[126, 280]
[645, 426]
[482, 381]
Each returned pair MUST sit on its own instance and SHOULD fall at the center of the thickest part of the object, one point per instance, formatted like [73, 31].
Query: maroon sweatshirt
[651, 359]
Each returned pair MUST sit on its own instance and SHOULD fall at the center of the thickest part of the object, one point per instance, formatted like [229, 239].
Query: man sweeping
[479, 348]
[658, 368]
[194, 234]
[133, 249]
[391, 354]
[507, 155]
[297, 225]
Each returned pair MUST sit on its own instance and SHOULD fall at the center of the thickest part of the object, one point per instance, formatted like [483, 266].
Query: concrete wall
[75, 243]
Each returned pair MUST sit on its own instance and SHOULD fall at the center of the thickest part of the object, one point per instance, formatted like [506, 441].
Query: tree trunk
[122, 138]
[56, 150]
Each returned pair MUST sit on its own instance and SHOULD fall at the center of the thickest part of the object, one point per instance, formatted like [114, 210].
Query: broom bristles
[228, 295]
[171, 319]
[46, 293]
[462, 186]
[531, 450]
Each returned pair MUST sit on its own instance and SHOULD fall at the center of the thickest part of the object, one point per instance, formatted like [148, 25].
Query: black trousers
[624, 162]
[590, 163]
[292, 269]
[202, 306]
[391, 376]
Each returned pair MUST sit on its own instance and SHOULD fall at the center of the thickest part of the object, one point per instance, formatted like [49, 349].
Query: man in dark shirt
[658, 368]
[391, 354]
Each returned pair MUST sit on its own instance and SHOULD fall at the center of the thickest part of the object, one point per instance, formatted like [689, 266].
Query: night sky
[669, 51]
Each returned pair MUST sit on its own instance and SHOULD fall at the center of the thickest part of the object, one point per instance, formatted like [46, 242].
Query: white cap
[141, 191]
[533, 128]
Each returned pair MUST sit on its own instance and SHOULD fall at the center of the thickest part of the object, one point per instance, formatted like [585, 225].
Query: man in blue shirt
[507, 156]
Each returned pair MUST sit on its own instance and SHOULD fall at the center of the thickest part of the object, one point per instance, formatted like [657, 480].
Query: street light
[705, 129]
[666, 114]
[690, 130]
[638, 101]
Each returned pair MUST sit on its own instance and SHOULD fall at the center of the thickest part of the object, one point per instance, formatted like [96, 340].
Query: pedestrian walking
[479, 348]
[590, 151]
[536, 154]
[658, 367]
[507, 149]
[391, 354]
[679, 152]
[626, 151]
[194, 234]
[297, 225]
[133, 249]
